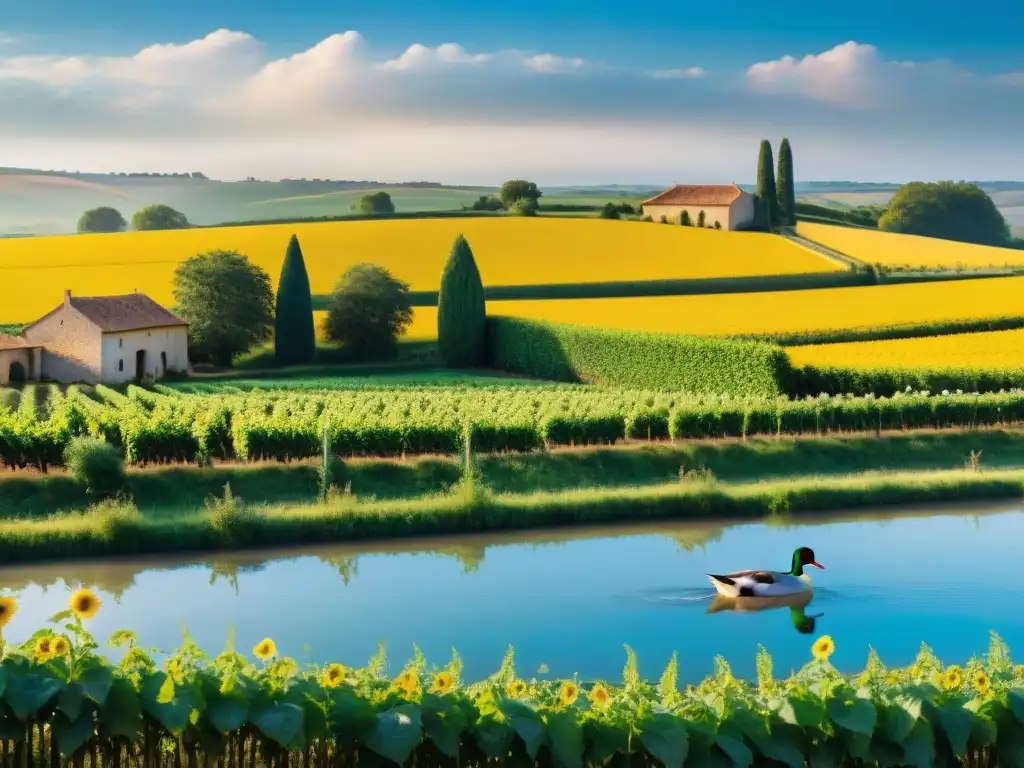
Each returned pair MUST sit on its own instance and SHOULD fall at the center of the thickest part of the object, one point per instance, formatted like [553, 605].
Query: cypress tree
[461, 311]
[294, 336]
[766, 186]
[784, 185]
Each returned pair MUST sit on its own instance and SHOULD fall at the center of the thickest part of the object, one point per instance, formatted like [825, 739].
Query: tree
[158, 217]
[228, 303]
[102, 219]
[517, 189]
[367, 312]
[718, 225]
[375, 203]
[461, 310]
[527, 206]
[294, 334]
[949, 210]
[785, 189]
[485, 203]
[684, 218]
[609, 211]
[766, 186]
[701, 218]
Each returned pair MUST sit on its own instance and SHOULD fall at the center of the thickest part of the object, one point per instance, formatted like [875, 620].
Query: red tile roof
[701, 194]
[133, 312]
[14, 342]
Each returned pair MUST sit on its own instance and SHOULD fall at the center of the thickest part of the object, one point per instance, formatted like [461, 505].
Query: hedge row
[64, 704]
[882, 332]
[812, 380]
[635, 359]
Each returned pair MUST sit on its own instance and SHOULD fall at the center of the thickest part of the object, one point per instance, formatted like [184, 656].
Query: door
[140, 364]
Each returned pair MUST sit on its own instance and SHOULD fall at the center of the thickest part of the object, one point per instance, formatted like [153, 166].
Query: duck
[803, 622]
[769, 583]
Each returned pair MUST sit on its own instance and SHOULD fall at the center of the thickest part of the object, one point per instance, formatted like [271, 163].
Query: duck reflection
[797, 604]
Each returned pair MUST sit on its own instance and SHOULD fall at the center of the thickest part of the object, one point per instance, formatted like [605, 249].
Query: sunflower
[599, 696]
[84, 603]
[516, 689]
[8, 607]
[443, 682]
[333, 676]
[953, 678]
[568, 693]
[823, 647]
[407, 681]
[61, 646]
[44, 649]
[981, 682]
[264, 649]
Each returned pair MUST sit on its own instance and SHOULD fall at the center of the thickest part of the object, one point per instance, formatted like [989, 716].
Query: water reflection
[797, 604]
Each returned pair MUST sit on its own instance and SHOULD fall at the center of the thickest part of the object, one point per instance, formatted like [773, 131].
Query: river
[569, 599]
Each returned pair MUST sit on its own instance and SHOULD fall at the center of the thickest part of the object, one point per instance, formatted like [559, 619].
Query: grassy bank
[118, 529]
[163, 491]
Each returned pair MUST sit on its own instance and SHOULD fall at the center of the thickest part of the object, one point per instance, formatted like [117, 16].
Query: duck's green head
[801, 557]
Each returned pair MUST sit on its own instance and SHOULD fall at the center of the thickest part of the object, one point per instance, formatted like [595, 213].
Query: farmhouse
[726, 204]
[97, 339]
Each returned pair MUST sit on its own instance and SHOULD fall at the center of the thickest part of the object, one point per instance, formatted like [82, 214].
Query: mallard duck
[768, 583]
[797, 604]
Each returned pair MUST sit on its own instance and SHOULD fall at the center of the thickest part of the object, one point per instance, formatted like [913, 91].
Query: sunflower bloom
[265, 649]
[981, 682]
[84, 603]
[516, 689]
[333, 676]
[44, 649]
[823, 648]
[8, 607]
[568, 693]
[953, 678]
[443, 682]
[599, 696]
[407, 681]
[915, 671]
[61, 646]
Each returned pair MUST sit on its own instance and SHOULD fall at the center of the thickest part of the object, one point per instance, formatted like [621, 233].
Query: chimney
[67, 297]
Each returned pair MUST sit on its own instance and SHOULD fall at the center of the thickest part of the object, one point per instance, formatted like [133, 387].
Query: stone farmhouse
[106, 339]
[727, 204]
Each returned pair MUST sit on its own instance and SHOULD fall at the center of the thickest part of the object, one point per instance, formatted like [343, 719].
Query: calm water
[570, 599]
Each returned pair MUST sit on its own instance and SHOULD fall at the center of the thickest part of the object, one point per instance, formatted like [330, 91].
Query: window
[120, 364]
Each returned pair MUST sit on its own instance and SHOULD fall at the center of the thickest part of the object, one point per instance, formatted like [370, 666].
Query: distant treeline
[861, 216]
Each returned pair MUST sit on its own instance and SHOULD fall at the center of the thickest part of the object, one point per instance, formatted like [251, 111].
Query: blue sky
[920, 88]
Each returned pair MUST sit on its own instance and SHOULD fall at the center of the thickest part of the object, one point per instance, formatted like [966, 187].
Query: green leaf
[782, 746]
[1015, 700]
[919, 746]
[803, 711]
[665, 739]
[27, 694]
[228, 713]
[739, 753]
[956, 723]
[173, 714]
[72, 734]
[350, 716]
[527, 723]
[70, 701]
[565, 739]
[281, 723]
[443, 723]
[96, 682]
[856, 714]
[494, 738]
[826, 754]
[397, 733]
[604, 741]
[899, 717]
[60, 616]
[121, 713]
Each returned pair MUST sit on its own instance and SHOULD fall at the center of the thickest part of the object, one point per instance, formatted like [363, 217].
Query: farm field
[894, 250]
[993, 350]
[784, 311]
[509, 251]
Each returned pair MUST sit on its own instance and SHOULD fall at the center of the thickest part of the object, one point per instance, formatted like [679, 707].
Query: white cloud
[689, 73]
[1011, 79]
[6, 38]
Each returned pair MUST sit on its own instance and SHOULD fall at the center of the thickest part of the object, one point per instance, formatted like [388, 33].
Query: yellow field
[784, 311]
[992, 350]
[423, 328]
[892, 250]
[509, 251]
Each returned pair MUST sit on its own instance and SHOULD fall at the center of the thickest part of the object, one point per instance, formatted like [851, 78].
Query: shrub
[461, 309]
[102, 219]
[97, 465]
[684, 218]
[116, 518]
[526, 206]
[374, 204]
[609, 211]
[229, 516]
[154, 217]
[629, 358]
[368, 311]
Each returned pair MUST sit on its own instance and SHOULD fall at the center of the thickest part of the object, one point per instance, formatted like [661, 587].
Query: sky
[561, 92]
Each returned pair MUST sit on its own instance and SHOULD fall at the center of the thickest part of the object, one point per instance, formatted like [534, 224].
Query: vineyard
[164, 426]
